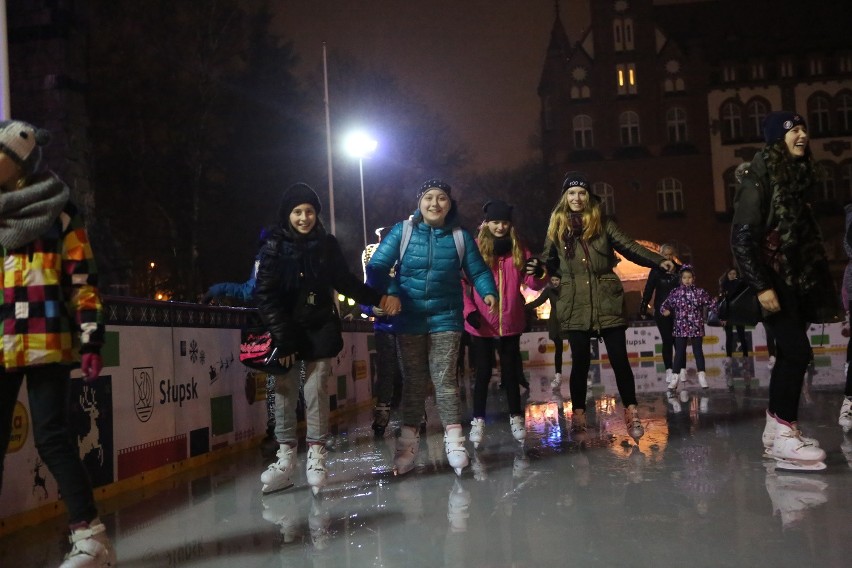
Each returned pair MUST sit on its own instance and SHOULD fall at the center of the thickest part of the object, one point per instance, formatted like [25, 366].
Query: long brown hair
[560, 223]
[485, 239]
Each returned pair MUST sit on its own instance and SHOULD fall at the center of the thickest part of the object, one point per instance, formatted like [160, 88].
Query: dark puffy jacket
[295, 288]
[428, 280]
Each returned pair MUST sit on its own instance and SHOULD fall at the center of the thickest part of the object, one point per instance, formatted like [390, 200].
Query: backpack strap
[408, 229]
[458, 237]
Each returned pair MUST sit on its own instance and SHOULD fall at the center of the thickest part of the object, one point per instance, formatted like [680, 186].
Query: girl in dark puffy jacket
[300, 268]
[431, 249]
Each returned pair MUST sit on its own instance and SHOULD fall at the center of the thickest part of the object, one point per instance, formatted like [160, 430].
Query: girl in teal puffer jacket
[429, 291]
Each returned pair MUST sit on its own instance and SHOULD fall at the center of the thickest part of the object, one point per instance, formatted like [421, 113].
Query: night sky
[477, 62]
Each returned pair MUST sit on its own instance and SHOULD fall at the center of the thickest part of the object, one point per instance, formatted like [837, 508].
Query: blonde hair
[560, 222]
[485, 240]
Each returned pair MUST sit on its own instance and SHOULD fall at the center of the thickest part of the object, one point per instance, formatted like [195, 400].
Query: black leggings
[557, 354]
[509, 349]
[793, 352]
[680, 352]
[581, 359]
[666, 326]
[729, 339]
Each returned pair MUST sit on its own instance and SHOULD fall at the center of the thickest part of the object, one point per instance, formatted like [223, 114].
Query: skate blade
[315, 489]
[402, 470]
[267, 491]
[799, 467]
[458, 470]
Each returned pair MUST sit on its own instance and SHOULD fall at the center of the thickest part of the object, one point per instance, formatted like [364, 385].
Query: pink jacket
[509, 318]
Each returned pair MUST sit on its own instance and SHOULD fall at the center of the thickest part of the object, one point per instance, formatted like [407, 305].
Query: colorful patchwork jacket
[51, 306]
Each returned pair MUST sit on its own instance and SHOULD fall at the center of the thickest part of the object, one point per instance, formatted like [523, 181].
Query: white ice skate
[792, 495]
[672, 399]
[315, 469]
[477, 431]
[845, 419]
[90, 548]
[279, 475]
[458, 507]
[770, 432]
[519, 428]
[281, 510]
[702, 380]
[792, 453]
[454, 447]
[634, 425]
[407, 446]
[556, 382]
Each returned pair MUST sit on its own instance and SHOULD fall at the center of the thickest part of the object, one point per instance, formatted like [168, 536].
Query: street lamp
[360, 145]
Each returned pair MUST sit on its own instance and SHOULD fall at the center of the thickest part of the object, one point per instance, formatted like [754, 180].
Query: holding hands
[668, 266]
[389, 305]
[534, 267]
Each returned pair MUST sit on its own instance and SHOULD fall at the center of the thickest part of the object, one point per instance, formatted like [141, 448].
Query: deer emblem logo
[39, 481]
[92, 440]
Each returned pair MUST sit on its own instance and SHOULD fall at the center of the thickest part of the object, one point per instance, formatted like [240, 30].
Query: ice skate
[318, 522]
[578, 424]
[315, 470]
[792, 495]
[90, 548]
[520, 463]
[702, 380]
[771, 363]
[407, 446]
[281, 510]
[792, 453]
[845, 419]
[454, 447]
[458, 506]
[381, 417]
[556, 383]
[518, 427]
[477, 431]
[704, 405]
[672, 399]
[668, 376]
[279, 475]
[634, 425]
[770, 432]
[480, 471]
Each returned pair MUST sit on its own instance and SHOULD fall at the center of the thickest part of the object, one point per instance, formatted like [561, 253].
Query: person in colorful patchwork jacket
[52, 319]
[689, 304]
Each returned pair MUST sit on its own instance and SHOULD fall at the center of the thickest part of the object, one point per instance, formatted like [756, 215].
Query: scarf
[575, 234]
[801, 255]
[27, 213]
[502, 245]
[300, 257]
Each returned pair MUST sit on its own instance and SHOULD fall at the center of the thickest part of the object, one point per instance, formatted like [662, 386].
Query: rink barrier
[173, 396]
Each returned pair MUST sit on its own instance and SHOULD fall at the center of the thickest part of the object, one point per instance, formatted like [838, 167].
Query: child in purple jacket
[689, 304]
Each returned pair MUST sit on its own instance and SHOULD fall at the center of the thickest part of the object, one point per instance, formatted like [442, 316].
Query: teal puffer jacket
[428, 281]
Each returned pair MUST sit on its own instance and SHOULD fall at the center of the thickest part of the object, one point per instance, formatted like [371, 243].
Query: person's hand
[534, 267]
[377, 311]
[91, 365]
[491, 302]
[668, 266]
[474, 319]
[643, 311]
[666, 313]
[769, 300]
[287, 361]
[390, 305]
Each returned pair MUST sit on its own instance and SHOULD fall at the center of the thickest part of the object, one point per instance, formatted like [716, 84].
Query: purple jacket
[510, 318]
[688, 303]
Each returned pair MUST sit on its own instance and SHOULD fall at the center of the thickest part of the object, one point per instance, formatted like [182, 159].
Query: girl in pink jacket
[503, 252]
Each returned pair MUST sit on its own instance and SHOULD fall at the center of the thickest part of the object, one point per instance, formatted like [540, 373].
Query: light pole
[360, 145]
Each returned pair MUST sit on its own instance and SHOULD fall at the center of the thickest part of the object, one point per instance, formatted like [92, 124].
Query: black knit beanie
[576, 179]
[778, 123]
[295, 195]
[497, 210]
[433, 184]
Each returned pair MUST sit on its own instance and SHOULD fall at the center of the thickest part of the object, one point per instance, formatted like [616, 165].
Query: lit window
[626, 78]
[669, 195]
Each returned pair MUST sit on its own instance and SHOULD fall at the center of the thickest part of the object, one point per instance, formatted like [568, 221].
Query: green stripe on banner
[525, 355]
[820, 340]
[658, 348]
[221, 415]
[341, 389]
[110, 352]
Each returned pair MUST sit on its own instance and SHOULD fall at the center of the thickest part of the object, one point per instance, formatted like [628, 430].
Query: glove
[91, 365]
[533, 266]
[474, 319]
[643, 311]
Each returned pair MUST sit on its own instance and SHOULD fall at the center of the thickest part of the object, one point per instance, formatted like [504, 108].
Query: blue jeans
[48, 390]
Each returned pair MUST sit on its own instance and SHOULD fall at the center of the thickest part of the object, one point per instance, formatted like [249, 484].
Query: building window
[757, 72]
[828, 187]
[756, 111]
[676, 125]
[731, 121]
[669, 195]
[625, 76]
[819, 115]
[786, 68]
[628, 34]
[618, 34]
[815, 65]
[628, 123]
[607, 195]
[845, 188]
[844, 113]
[583, 137]
[673, 85]
[729, 73]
